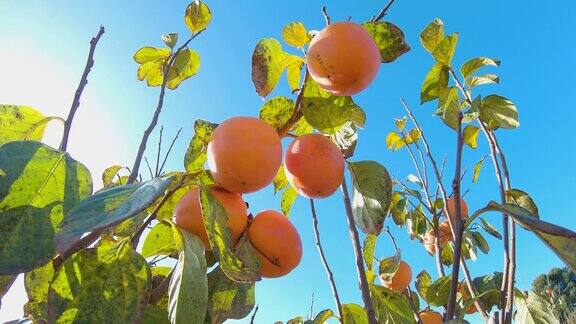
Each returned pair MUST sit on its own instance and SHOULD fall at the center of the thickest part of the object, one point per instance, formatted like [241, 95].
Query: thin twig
[358, 255]
[169, 150]
[78, 93]
[324, 260]
[311, 307]
[392, 238]
[149, 168]
[383, 12]
[135, 169]
[157, 167]
[472, 290]
[254, 315]
[326, 17]
[161, 289]
[81, 244]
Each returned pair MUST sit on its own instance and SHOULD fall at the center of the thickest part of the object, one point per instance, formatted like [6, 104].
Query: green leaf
[444, 52]
[423, 283]
[490, 229]
[41, 185]
[323, 316]
[470, 135]
[560, 240]
[108, 208]
[432, 35]
[228, 299]
[186, 64]
[220, 238]
[170, 39]
[155, 315]
[159, 241]
[107, 284]
[392, 307]
[188, 288]
[288, 198]
[448, 107]
[398, 208]
[325, 112]
[196, 153]
[474, 64]
[268, 62]
[436, 80]
[20, 123]
[481, 242]
[488, 289]
[151, 54]
[474, 81]
[353, 314]
[5, 284]
[388, 266]
[522, 199]
[109, 174]
[295, 34]
[36, 283]
[302, 128]
[497, 111]
[534, 309]
[371, 196]
[277, 111]
[389, 38]
[439, 291]
[477, 168]
[128, 227]
[447, 254]
[198, 16]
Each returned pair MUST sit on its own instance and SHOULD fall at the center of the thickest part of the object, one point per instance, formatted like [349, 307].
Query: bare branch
[325, 14]
[472, 290]
[383, 12]
[149, 168]
[323, 258]
[358, 255]
[78, 93]
[157, 167]
[169, 150]
[392, 238]
[254, 315]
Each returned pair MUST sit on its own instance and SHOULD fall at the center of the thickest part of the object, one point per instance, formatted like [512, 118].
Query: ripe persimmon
[343, 58]
[244, 154]
[401, 278]
[314, 166]
[431, 317]
[277, 243]
[430, 237]
[451, 206]
[188, 213]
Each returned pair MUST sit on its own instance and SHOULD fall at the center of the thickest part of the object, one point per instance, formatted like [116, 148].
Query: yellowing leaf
[474, 81]
[389, 39]
[477, 169]
[170, 39]
[394, 141]
[293, 71]
[277, 111]
[20, 123]
[400, 123]
[413, 136]
[268, 62]
[436, 80]
[432, 35]
[470, 136]
[444, 52]
[288, 198]
[186, 64]
[197, 16]
[151, 54]
[499, 111]
[474, 64]
[295, 34]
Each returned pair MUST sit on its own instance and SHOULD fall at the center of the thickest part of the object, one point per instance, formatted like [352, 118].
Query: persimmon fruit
[244, 154]
[430, 237]
[188, 213]
[451, 206]
[314, 166]
[431, 317]
[277, 243]
[401, 278]
[343, 58]
[464, 291]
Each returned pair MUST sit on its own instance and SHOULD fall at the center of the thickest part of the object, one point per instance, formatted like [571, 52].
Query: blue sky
[44, 46]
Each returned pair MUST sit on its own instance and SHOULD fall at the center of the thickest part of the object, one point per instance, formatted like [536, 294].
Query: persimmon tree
[94, 256]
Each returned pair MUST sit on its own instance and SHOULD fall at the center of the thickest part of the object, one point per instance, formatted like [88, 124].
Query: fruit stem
[78, 93]
[324, 261]
[358, 254]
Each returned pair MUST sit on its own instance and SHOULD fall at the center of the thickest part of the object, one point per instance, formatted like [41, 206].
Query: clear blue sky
[48, 41]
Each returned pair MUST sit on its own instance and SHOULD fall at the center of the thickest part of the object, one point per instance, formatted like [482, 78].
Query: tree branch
[254, 315]
[157, 166]
[323, 258]
[169, 150]
[161, 290]
[135, 169]
[358, 254]
[383, 12]
[78, 93]
[473, 294]
[297, 114]
[326, 17]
